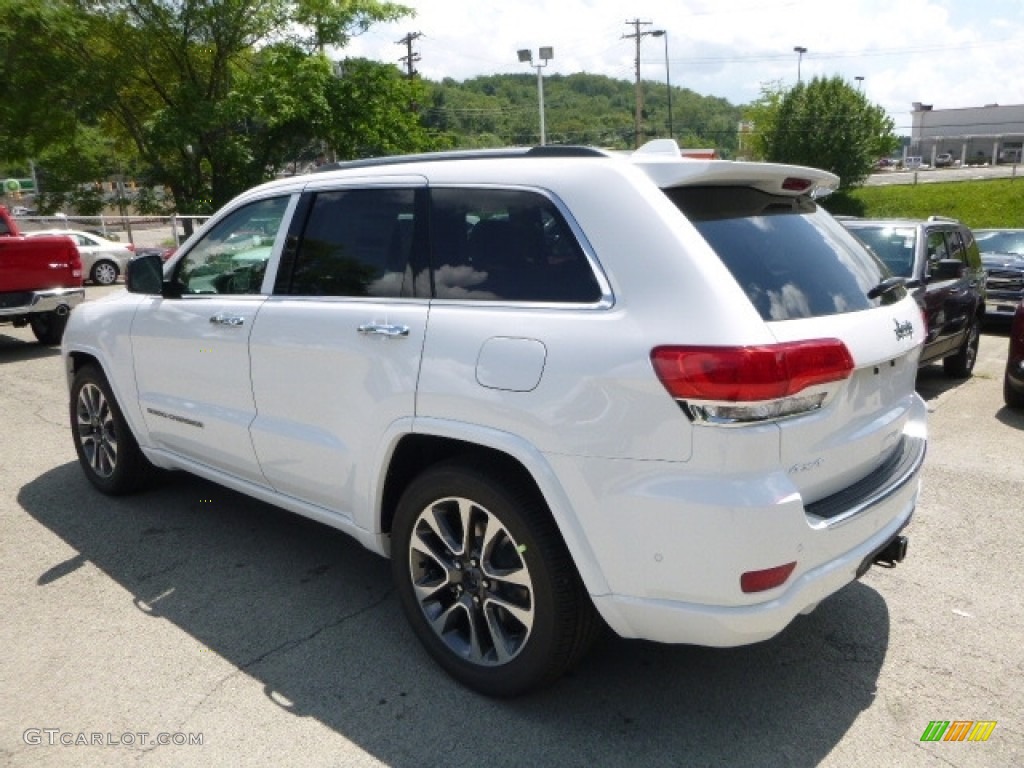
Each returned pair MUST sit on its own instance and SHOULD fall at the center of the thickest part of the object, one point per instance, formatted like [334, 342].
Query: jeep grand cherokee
[559, 388]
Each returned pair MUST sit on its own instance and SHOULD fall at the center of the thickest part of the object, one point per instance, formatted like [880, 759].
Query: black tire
[1013, 398]
[106, 447]
[961, 365]
[48, 327]
[502, 614]
[104, 273]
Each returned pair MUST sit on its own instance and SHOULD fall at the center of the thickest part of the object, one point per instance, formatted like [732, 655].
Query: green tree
[825, 123]
[210, 96]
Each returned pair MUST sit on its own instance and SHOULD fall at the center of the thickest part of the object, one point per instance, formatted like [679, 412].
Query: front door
[192, 351]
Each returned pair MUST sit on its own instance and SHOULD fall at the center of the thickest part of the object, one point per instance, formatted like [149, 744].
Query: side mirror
[145, 275]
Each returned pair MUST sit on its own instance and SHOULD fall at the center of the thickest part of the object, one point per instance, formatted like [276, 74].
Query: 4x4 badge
[904, 330]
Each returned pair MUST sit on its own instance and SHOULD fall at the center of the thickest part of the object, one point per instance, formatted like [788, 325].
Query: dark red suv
[1013, 380]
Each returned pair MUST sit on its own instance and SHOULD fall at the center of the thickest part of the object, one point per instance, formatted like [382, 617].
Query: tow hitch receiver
[893, 552]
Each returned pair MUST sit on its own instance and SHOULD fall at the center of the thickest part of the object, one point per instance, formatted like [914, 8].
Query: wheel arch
[76, 359]
[418, 451]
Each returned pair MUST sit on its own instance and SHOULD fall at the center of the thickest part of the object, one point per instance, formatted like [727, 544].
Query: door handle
[385, 330]
[232, 320]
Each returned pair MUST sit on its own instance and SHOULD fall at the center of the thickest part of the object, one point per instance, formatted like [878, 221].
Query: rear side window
[792, 259]
[506, 245]
[356, 242]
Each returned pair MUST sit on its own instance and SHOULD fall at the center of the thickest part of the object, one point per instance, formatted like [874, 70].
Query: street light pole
[668, 79]
[800, 51]
[546, 54]
[860, 82]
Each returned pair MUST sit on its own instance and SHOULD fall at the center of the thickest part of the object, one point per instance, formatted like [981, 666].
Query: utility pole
[638, 35]
[410, 58]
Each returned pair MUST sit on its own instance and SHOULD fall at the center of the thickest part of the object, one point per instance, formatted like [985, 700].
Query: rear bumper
[34, 302]
[727, 626]
[673, 547]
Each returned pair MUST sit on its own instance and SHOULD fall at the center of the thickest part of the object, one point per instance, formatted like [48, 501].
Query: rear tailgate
[810, 280]
[862, 426]
[39, 263]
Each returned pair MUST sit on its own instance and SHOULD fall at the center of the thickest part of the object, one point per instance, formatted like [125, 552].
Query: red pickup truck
[40, 280]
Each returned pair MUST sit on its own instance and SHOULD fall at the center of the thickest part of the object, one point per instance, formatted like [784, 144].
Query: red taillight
[769, 578]
[748, 374]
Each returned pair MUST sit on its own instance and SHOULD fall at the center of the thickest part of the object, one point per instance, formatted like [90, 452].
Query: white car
[558, 388]
[103, 260]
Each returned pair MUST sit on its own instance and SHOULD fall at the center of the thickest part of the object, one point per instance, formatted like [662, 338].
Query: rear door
[335, 351]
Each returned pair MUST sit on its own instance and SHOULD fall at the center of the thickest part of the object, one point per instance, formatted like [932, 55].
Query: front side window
[506, 245]
[956, 247]
[356, 243]
[232, 257]
[791, 258]
[937, 248]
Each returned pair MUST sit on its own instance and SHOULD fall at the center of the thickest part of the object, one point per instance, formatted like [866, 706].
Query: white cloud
[949, 53]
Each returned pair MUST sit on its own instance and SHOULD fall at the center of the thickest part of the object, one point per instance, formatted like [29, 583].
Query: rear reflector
[759, 581]
[750, 374]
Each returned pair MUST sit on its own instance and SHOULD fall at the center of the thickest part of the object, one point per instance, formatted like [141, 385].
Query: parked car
[40, 281]
[1009, 155]
[938, 260]
[944, 160]
[1013, 378]
[148, 250]
[102, 260]
[1002, 254]
[559, 387]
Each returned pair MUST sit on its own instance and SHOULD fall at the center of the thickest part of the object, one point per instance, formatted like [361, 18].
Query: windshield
[893, 245]
[791, 257]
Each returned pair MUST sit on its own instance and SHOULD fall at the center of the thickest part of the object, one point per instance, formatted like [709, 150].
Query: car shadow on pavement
[312, 617]
[15, 350]
[932, 382]
[1011, 417]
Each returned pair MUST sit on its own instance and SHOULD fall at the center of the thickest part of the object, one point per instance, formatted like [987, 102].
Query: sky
[947, 53]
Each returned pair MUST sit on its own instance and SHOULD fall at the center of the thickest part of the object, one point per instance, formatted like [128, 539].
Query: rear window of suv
[791, 258]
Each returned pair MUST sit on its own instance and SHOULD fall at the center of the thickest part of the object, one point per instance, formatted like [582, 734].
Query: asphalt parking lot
[193, 626]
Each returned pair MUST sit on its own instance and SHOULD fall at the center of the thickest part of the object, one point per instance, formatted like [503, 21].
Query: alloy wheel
[95, 430]
[471, 581]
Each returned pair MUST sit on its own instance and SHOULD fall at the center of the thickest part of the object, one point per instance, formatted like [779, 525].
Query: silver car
[102, 260]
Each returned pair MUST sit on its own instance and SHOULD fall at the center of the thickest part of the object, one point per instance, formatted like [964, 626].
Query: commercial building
[973, 135]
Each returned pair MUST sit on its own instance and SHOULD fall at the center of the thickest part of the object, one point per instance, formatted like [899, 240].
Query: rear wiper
[885, 286]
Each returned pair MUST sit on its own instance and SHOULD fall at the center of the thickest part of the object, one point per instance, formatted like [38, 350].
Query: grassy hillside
[995, 203]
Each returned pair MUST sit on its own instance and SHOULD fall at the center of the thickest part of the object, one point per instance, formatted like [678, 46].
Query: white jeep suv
[559, 388]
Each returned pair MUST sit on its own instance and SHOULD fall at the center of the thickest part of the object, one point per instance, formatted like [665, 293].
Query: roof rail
[548, 150]
[948, 219]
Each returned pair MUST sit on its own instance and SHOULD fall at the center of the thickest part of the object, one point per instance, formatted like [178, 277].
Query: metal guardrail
[154, 230]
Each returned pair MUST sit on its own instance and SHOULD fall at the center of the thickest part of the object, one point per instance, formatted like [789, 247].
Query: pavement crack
[285, 647]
